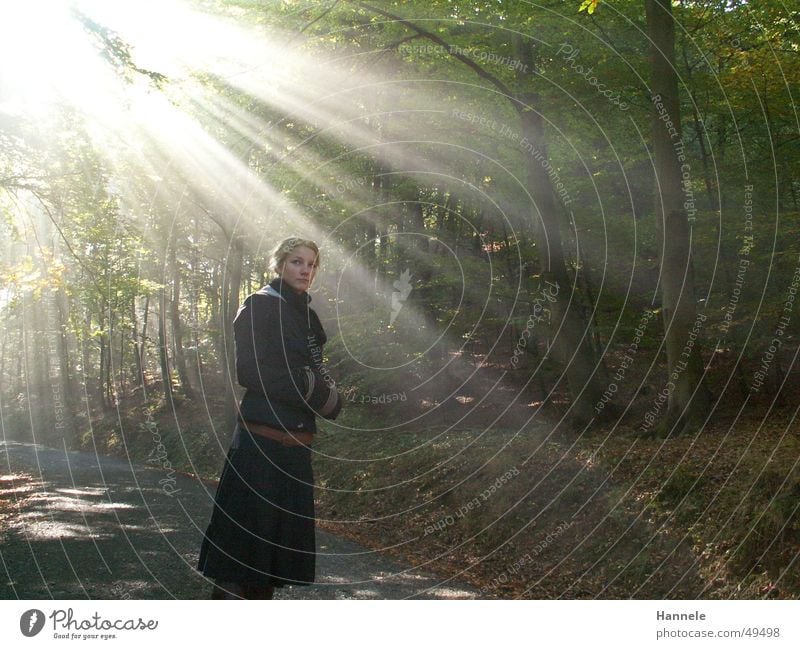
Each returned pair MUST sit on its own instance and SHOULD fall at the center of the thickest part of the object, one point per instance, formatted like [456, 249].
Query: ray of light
[136, 126]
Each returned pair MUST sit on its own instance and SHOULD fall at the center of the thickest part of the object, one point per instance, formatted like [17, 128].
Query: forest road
[78, 526]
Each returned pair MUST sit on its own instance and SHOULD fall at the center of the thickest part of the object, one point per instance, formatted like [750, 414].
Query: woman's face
[299, 268]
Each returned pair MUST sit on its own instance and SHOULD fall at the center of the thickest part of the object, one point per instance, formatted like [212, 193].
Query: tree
[688, 399]
[571, 334]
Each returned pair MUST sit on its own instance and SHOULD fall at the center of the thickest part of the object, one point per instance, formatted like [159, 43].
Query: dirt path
[74, 525]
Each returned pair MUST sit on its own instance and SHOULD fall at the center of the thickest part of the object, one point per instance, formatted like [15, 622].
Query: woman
[261, 533]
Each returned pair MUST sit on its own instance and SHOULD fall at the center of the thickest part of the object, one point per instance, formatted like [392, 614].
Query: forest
[559, 267]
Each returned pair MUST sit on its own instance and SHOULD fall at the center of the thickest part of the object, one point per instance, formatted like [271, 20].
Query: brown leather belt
[300, 438]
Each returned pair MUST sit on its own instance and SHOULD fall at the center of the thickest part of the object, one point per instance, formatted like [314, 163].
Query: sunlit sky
[55, 62]
[48, 47]
[50, 57]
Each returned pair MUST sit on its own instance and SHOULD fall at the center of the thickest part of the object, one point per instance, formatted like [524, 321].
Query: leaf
[589, 6]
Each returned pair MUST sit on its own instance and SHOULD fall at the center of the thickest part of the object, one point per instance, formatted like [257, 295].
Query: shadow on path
[74, 525]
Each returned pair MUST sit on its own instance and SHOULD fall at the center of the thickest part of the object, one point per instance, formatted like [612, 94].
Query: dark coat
[277, 334]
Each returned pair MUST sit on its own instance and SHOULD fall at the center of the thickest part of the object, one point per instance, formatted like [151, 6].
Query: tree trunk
[370, 259]
[67, 382]
[194, 362]
[101, 377]
[701, 132]
[177, 328]
[121, 373]
[41, 398]
[86, 362]
[143, 346]
[3, 346]
[230, 305]
[162, 346]
[216, 294]
[570, 332]
[137, 359]
[687, 400]
[108, 381]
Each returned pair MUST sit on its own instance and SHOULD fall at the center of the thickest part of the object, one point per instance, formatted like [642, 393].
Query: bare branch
[320, 17]
[424, 33]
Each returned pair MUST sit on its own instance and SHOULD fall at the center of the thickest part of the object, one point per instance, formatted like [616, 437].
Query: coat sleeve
[261, 363]
[321, 393]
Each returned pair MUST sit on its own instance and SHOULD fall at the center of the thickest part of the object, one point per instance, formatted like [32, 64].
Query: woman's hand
[320, 393]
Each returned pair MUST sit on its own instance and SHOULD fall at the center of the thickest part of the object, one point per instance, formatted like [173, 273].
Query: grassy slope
[603, 515]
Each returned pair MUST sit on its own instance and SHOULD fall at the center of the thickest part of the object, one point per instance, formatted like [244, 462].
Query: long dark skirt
[262, 528]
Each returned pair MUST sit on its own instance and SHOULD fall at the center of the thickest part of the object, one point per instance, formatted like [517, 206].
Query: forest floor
[609, 516]
[517, 503]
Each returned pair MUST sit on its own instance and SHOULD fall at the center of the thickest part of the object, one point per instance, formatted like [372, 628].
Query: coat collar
[277, 288]
[286, 293]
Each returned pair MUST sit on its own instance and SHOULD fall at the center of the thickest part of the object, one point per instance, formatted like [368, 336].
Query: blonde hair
[286, 247]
